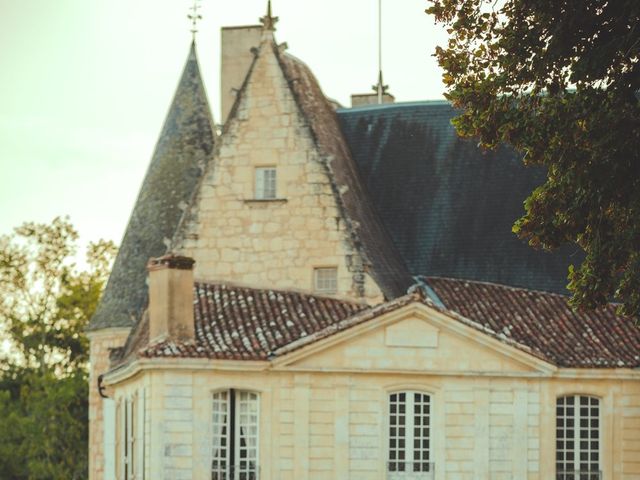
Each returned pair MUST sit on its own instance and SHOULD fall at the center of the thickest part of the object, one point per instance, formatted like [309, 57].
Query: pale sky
[85, 86]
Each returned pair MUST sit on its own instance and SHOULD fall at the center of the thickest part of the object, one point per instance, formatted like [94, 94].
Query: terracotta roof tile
[240, 323]
[545, 323]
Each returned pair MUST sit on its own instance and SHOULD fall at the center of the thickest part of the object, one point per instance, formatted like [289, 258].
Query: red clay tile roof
[240, 323]
[545, 323]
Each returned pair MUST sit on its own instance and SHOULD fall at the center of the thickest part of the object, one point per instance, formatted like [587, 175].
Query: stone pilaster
[101, 342]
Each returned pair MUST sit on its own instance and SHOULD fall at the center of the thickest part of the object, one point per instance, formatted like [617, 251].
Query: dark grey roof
[448, 206]
[184, 147]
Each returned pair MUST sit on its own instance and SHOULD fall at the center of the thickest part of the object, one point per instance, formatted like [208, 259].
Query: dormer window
[265, 183]
[325, 280]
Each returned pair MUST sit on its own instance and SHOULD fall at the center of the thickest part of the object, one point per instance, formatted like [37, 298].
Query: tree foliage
[45, 303]
[559, 80]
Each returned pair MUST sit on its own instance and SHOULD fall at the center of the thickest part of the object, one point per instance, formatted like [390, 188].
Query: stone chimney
[171, 298]
[361, 99]
[237, 56]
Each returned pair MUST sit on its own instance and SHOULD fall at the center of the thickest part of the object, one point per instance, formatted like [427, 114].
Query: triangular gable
[415, 338]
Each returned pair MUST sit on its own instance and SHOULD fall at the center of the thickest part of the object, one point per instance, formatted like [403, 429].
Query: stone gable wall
[270, 244]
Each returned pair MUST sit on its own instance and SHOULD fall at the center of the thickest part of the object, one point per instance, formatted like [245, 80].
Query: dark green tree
[45, 303]
[559, 80]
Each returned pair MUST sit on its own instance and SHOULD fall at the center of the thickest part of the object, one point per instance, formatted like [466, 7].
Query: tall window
[577, 438]
[235, 435]
[265, 183]
[409, 436]
[127, 439]
[325, 280]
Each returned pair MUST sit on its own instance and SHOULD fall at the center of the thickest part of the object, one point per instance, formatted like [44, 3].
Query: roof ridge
[495, 284]
[237, 285]
[390, 106]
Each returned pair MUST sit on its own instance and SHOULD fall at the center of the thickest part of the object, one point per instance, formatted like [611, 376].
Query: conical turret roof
[184, 148]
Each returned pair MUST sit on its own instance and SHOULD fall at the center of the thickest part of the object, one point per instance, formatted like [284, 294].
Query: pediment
[415, 339]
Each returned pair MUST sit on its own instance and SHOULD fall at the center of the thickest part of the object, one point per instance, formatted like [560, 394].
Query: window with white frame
[265, 183]
[409, 452]
[578, 438]
[235, 435]
[325, 280]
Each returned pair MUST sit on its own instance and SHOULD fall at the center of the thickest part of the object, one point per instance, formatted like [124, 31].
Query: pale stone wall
[100, 343]
[269, 244]
[324, 409]
[318, 426]
[629, 403]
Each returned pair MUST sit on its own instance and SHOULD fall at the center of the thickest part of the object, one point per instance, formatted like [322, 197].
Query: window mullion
[410, 425]
[233, 441]
[576, 432]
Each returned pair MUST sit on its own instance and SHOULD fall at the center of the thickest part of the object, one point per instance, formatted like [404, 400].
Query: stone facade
[101, 342]
[324, 397]
[237, 238]
[324, 409]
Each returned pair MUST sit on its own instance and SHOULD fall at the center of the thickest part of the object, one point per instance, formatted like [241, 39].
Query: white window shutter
[140, 436]
[109, 439]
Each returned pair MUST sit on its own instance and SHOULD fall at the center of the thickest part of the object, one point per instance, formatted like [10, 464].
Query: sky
[85, 86]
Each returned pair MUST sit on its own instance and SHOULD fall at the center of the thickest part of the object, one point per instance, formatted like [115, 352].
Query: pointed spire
[184, 148]
[269, 21]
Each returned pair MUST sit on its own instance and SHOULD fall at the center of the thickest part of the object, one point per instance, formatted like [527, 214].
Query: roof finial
[269, 21]
[194, 16]
[380, 88]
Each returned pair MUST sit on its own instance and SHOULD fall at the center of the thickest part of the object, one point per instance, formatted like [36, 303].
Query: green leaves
[45, 303]
[558, 81]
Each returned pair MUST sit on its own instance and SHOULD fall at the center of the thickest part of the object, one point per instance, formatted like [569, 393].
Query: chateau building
[320, 292]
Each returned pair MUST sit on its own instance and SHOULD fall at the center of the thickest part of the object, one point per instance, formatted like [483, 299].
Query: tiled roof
[545, 323]
[183, 149]
[448, 205]
[239, 323]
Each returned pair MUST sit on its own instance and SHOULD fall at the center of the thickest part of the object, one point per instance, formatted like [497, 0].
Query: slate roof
[239, 323]
[369, 235]
[183, 149]
[545, 323]
[448, 206]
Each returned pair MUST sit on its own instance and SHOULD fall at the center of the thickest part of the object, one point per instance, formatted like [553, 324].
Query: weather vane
[194, 16]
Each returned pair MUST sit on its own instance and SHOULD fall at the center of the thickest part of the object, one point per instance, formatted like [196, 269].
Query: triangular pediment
[415, 338]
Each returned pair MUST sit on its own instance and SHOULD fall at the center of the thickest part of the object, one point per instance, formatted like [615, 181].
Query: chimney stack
[236, 45]
[363, 99]
[171, 298]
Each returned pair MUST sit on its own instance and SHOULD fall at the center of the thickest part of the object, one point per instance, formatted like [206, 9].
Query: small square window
[325, 280]
[265, 183]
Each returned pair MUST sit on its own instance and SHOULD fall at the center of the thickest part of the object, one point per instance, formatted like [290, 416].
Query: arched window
[235, 435]
[409, 452]
[578, 438]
